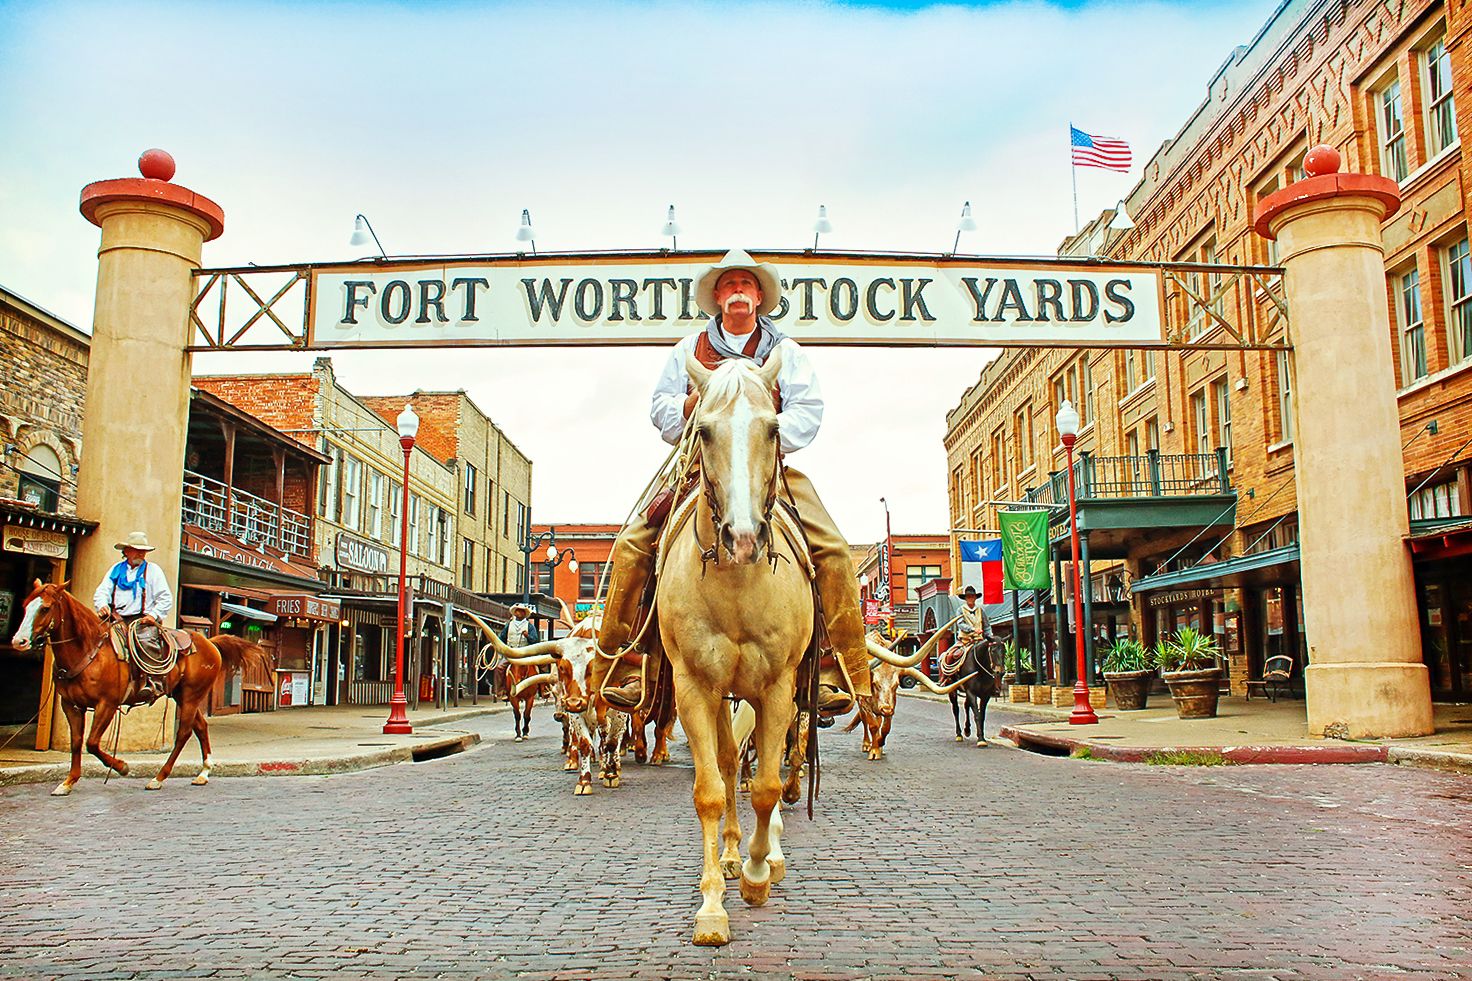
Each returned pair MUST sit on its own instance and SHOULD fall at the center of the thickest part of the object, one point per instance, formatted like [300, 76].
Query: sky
[442, 121]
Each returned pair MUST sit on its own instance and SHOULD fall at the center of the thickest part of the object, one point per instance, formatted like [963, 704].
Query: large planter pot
[1129, 688]
[1194, 692]
[1019, 694]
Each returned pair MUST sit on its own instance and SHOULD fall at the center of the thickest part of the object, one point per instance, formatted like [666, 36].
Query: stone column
[136, 415]
[1365, 677]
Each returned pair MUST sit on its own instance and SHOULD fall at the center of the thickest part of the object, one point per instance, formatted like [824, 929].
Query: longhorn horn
[889, 657]
[534, 681]
[565, 616]
[533, 654]
[921, 677]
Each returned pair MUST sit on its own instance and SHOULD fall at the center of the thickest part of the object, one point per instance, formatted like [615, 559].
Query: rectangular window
[1222, 397]
[1412, 327]
[1459, 299]
[1088, 382]
[470, 478]
[352, 491]
[490, 506]
[505, 512]
[999, 462]
[490, 564]
[1203, 423]
[588, 575]
[332, 504]
[520, 577]
[1131, 370]
[1285, 398]
[1147, 358]
[1024, 438]
[1152, 434]
[520, 522]
[395, 502]
[917, 576]
[544, 578]
[1132, 443]
[447, 553]
[1436, 501]
[1392, 133]
[432, 533]
[1270, 245]
[414, 524]
[505, 572]
[467, 563]
[374, 524]
[1441, 110]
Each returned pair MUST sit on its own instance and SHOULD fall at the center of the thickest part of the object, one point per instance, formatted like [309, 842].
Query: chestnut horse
[89, 674]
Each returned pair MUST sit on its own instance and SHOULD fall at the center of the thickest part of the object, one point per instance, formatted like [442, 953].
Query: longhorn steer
[593, 728]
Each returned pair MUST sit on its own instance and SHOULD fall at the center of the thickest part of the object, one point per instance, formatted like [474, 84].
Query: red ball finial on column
[156, 165]
[1321, 161]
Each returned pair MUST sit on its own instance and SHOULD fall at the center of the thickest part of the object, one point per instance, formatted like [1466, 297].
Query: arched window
[40, 476]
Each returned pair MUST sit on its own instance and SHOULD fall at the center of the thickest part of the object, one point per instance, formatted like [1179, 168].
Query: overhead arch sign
[648, 298]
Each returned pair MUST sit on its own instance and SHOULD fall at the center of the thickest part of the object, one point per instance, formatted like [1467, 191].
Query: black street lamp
[553, 555]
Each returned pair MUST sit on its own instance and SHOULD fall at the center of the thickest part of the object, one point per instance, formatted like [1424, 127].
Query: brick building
[914, 561]
[588, 544]
[356, 530]
[1188, 490]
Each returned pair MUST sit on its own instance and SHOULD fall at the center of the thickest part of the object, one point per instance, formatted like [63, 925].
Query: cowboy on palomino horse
[136, 593]
[737, 293]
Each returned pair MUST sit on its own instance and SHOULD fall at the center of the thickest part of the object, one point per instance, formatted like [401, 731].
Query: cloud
[441, 122]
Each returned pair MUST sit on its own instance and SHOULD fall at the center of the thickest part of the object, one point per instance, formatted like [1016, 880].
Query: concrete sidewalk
[1256, 731]
[300, 741]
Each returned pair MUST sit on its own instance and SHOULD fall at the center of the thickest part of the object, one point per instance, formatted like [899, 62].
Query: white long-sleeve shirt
[157, 600]
[797, 383]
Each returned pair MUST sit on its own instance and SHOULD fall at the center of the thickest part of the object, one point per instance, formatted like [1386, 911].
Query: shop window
[1392, 131]
[1459, 300]
[1441, 110]
[1412, 326]
[1437, 501]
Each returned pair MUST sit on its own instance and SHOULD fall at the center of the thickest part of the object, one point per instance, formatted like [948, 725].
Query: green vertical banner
[1024, 549]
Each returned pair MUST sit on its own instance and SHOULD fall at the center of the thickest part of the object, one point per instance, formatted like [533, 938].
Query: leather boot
[619, 673]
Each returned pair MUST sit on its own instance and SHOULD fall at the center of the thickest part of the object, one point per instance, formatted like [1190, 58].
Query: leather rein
[60, 672]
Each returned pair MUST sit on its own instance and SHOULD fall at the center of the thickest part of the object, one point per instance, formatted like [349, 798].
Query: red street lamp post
[1083, 711]
[398, 716]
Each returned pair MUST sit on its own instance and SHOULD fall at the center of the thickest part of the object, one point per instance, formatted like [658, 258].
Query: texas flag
[981, 567]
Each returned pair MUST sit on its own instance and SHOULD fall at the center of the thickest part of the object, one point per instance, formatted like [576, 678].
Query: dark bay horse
[981, 661]
[89, 674]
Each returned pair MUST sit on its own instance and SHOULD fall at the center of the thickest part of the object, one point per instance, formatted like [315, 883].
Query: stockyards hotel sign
[649, 299]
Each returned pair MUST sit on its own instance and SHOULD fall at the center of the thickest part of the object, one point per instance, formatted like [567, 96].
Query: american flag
[1099, 151]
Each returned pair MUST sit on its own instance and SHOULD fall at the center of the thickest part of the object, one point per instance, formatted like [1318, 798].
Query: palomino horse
[89, 674]
[735, 616]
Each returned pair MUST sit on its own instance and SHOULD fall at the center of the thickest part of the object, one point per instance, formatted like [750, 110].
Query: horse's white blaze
[22, 638]
[738, 508]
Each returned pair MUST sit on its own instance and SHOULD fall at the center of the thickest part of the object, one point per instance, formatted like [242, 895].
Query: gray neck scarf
[770, 337]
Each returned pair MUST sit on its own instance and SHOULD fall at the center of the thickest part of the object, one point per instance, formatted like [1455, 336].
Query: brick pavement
[942, 861]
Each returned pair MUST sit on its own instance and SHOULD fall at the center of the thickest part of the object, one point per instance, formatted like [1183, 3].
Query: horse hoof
[583, 790]
[517, 739]
[153, 784]
[981, 742]
[62, 790]
[712, 929]
[570, 765]
[959, 739]
[199, 781]
[755, 893]
[779, 869]
[613, 782]
[731, 868]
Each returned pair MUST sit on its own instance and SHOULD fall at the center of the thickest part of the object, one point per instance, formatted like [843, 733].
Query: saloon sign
[643, 300]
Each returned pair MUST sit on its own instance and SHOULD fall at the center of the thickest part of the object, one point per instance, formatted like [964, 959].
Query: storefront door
[1446, 630]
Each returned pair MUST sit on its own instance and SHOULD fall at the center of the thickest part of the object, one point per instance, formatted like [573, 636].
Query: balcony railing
[211, 504]
[1153, 475]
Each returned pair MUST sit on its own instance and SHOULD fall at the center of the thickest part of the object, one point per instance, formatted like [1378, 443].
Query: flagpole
[1073, 172]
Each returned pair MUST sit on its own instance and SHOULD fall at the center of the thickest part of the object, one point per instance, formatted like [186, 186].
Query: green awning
[1259, 568]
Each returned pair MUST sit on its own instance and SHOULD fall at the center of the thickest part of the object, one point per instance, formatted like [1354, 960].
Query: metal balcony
[254, 520]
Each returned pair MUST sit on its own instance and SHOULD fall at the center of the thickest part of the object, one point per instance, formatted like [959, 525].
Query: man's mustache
[740, 298]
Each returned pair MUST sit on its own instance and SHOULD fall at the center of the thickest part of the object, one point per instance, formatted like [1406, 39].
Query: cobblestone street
[944, 860]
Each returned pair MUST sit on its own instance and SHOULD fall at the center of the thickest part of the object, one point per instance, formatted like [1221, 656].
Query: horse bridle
[707, 490]
[43, 636]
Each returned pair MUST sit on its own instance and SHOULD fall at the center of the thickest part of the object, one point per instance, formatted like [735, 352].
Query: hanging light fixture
[672, 230]
[821, 225]
[966, 224]
[363, 233]
[1121, 222]
[525, 232]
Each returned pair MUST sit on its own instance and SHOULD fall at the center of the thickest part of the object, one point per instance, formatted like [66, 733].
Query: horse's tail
[237, 653]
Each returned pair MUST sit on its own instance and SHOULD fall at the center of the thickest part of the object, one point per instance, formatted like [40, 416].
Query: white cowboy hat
[765, 273]
[520, 606]
[135, 539]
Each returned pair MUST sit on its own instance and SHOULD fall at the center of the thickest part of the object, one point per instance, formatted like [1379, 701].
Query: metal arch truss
[1207, 306]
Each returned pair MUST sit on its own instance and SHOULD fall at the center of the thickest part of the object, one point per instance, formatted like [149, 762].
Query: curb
[428, 749]
[1050, 744]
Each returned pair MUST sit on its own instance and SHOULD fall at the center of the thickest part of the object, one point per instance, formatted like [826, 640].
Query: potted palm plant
[1128, 673]
[1188, 663]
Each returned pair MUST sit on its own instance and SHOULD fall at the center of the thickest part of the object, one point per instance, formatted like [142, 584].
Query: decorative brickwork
[41, 396]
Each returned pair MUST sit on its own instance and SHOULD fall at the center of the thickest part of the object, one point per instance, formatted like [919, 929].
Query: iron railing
[216, 506]
[1154, 474]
